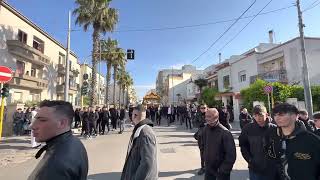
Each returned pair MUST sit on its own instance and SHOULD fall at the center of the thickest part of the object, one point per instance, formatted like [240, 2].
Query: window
[33, 72]
[70, 63]
[22, 36]
[20, 68]
[62, 58]
[38, 44]
[226, 82]
[242, 76]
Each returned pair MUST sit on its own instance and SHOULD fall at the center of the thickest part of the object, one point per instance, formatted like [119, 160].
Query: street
[178, 156]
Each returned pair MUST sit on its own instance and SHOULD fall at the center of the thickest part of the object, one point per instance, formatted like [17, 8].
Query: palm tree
[119, 62]
[121, 80]
[127, 82]
[108, 48]
[102, 18]
[201, 83]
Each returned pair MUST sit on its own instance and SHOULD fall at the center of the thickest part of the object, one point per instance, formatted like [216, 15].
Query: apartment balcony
[271, 76]
[62, 70]
[27, 52]
[28, 82]
[72, 89]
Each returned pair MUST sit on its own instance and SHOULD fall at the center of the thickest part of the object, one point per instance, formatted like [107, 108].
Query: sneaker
[201, 171]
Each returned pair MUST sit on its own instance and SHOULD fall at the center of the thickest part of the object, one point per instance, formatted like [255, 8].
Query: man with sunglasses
[141, 160]
[294, 149]
[200, 122]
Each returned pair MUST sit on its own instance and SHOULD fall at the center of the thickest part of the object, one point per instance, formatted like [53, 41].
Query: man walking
[294, 149]
[105, 120]
[304, 117]
[141, 160]
[93, 118]
[18, 121]
[65, 157]
[200, 121]
[219, 148]
[121, 118]
[252, 146]
[114, 117]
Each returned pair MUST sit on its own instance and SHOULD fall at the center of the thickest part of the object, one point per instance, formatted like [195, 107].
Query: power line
[313, 5]
[244, 27]
[196, 25]
[223, 33]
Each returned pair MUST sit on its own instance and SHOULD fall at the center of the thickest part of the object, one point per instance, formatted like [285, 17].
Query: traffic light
[5, 91]
[130, 54]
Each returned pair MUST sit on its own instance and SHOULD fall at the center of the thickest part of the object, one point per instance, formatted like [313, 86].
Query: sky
[171, 33]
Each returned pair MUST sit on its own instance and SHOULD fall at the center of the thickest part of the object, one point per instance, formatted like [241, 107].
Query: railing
[20, 49]
[271, 76]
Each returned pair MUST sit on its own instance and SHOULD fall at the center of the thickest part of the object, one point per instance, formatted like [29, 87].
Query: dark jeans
[257, 176]
[85, 128]
[188, 121]
[103, 126]
[93, 127]
[209, 176]
[18, 127]
[201, 154]
[99, 126]
[114, 123]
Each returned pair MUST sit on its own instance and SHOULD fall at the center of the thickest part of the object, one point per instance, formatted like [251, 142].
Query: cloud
[177, 66]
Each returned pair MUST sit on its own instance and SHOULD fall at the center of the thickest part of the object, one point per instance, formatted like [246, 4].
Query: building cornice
[28, 21]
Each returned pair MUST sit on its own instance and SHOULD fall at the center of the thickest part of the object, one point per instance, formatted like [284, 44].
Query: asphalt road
[178, 156]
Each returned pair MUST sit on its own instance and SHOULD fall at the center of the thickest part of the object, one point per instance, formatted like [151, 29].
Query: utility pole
[66, 79]
[172, 86]
[306, 81]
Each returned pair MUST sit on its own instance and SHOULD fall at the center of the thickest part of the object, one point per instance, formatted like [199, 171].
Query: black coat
[224, 119]
[219, 149]
[309, 124]
[65, 159]
[244, 118]
[301, 152]
[251, 142]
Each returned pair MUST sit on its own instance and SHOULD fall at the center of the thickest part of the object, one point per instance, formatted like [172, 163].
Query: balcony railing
[271, 76]
[72, 89]
[27, 52]
[27, 81]
[62, 70]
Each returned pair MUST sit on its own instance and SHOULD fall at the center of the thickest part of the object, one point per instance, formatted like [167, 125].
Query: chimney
[219, 58]
[271, 36]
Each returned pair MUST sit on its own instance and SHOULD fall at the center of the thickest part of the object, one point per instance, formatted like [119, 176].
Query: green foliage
[208, 97]
[281, 92]
[86, 100]
[31, 103]
[201, 83]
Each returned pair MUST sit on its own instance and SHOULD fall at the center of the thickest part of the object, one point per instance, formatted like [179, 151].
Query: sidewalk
[15, 150]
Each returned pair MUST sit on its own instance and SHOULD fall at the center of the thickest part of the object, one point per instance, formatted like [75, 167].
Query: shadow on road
[15, 147]
[178, 142]
[104, 176]
[15, 141]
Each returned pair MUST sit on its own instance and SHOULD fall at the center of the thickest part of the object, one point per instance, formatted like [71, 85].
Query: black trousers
[85, 128]
[93, 127]
[209, 176]
[99, 126]
[114, 123]
[103, 126]
[201, 153]
[188, 122]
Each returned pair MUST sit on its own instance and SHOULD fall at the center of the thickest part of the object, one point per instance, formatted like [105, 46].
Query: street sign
[267, 89]
[5, 74]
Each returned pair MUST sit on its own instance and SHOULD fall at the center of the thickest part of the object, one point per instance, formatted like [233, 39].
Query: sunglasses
[202, 108]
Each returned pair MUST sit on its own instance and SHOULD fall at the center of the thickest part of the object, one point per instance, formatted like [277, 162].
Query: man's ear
[64, 122]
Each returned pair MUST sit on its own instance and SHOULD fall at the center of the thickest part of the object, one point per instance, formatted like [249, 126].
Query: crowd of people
[284, 145]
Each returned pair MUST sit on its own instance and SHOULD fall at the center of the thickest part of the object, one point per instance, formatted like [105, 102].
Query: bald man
[219, 148]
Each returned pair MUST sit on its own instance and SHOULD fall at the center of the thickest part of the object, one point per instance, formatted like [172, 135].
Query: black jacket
[252, 145]
[105, 116]
[301, 152]
[309, 124]
[317, 132]
[244, 119]
[122, 114]
[219, 149]
[113, 113]
[93, 116]
[65, 159]
[224, 119]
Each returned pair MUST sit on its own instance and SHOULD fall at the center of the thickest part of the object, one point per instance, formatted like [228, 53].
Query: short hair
[139, 108]
[285, 108]
[61, 107]
[316, 115]
[258, 109]
[303, 112]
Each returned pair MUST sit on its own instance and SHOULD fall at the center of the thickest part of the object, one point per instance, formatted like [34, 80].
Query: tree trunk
[108, 81]
[95, 38]
[123, 99]
[114, 84]
[119, 96]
